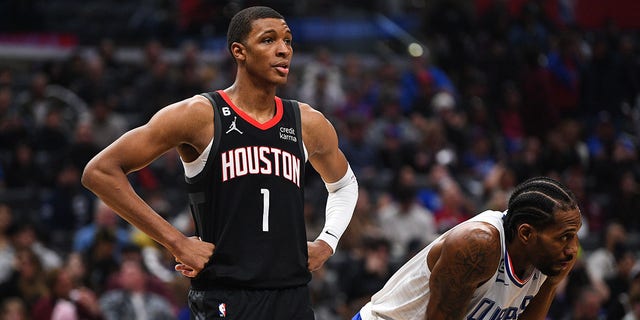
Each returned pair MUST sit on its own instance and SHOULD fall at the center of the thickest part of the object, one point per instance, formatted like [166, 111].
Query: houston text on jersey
[260, 160]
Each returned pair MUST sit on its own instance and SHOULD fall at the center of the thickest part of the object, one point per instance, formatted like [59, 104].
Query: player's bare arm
[187, 126]
[321, 141]
[465, 259]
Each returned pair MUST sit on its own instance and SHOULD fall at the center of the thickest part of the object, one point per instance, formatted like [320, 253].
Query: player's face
[557, 245]
[269, 51]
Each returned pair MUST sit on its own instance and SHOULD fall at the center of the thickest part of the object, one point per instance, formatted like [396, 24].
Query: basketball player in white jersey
[497, 265]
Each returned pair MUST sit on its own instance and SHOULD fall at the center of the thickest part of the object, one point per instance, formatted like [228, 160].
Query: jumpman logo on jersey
[233, 126]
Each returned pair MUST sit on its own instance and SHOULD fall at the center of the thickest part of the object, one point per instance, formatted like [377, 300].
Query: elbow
[92, 175]
[101, 175]
[88, 175]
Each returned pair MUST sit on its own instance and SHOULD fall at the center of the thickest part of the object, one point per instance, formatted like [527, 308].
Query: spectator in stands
[617, 305]
[65, 301]
[625, 203]
[155, 85]
[106, 125]
[528, 160]
[358, 149]
[83, 146]
[27, 280]
[588, 306]
[446, 110]
[600, 79]
[13, 309]
[104, 219]
[33, 103]
[629, 66]
[66, 208]
[6, 248]
[156, 281]
[12, 127]
[321, 83]
[455, 206]
[535, 77]
[558, 155]
[565, 64]
[325, 293]
[190, 71]
[420, 82]
[634, 301]
[133, 301]
[477, 162]
[497, 187]
[601, 263]
[77, 268]
[404, 219]
[633, 312]
[27, 235]
[96, 82]
[102, 259]
[365, 275]
[23, 172]
[51, 140]
[510, 118]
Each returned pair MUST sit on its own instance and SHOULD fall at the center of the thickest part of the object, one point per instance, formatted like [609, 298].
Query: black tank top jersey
[248, 200]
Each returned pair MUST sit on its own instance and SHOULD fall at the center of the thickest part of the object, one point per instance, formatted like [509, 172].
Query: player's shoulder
[193, 107]
[185, 117]
[311, 117]
[479, 235]
[197, 101]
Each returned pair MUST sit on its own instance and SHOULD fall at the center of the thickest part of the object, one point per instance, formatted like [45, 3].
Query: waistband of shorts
[213, 285]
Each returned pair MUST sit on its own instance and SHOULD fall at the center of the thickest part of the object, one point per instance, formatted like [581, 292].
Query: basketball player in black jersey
[243, 150]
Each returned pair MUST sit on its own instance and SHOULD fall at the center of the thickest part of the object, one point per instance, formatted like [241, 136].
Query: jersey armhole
[193, 170]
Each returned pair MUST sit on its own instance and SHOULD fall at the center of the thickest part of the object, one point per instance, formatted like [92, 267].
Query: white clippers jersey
[406, 295]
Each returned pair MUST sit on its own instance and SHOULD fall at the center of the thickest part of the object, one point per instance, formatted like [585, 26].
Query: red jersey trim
[262, 126]
[512, 274]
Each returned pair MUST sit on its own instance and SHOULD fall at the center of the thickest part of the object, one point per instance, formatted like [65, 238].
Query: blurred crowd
[433, 139]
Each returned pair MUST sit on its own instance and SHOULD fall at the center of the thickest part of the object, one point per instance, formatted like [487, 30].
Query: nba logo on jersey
[222, 310]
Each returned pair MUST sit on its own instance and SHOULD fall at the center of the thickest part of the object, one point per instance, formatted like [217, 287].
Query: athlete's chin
[552, 270]
[280, 81]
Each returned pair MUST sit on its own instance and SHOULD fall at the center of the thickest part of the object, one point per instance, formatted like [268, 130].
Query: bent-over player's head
[241, 23]
[535, 202]
[542, 222]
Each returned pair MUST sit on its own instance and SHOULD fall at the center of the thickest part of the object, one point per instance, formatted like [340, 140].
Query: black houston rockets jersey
[248, 199]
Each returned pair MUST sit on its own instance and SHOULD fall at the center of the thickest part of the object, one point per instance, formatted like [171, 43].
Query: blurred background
[441, 107]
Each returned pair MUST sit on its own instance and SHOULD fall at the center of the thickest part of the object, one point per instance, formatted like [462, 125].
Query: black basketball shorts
[241, 304]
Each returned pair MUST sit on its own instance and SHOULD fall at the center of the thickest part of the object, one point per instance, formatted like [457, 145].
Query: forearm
[341, 202]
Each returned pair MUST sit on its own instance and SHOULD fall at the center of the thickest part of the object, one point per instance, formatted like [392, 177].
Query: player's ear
[526, 232]
[238, 50]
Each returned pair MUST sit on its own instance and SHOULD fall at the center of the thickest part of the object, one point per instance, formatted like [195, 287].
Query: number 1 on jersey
[265, 209]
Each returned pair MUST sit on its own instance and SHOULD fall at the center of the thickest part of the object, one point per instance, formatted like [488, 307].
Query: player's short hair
[535, 201]
[241, 23]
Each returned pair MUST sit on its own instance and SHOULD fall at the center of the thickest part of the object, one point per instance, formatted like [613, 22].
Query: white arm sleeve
[341, 202]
